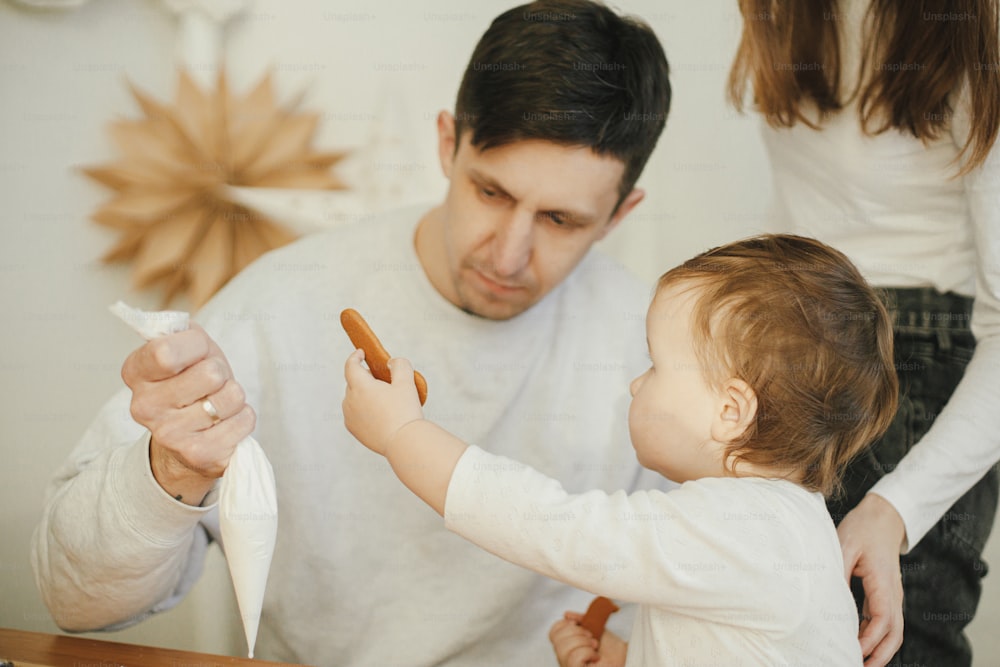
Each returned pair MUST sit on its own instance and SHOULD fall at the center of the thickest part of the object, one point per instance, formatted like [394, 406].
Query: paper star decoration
[179, 225]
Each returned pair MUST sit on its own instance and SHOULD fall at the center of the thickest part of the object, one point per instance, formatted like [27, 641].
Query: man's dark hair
[571, 72]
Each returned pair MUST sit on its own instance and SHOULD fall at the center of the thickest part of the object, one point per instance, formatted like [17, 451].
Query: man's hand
[576, 647]
[374, 411]
[871, 536]
[171, 378]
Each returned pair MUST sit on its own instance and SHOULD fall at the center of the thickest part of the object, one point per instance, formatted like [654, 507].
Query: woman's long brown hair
[916, 55]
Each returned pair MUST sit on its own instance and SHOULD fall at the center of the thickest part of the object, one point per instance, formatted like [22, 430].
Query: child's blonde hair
[795, 320]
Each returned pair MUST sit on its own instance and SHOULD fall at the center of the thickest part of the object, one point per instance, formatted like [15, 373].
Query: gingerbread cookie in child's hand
[597, 616]
[362, 336]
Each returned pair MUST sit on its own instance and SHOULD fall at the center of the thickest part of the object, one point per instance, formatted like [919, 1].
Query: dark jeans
[942, 574]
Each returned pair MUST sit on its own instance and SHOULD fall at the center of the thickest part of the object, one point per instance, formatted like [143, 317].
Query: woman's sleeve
[964, 441]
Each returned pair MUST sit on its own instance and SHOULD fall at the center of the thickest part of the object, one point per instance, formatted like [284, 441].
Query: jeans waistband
[926, 308]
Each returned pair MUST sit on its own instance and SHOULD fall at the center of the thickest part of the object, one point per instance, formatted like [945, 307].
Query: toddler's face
[673, 405]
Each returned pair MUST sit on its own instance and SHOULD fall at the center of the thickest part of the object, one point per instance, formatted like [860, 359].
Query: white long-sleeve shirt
[364, 574]
[727, 571]
[895, 207]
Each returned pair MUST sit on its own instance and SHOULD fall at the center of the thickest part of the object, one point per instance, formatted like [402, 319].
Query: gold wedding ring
[210, 410]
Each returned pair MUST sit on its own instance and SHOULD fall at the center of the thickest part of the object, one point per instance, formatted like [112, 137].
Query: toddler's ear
[736, 412]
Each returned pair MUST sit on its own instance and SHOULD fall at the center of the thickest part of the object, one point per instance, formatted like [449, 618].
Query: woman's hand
[871, 536]
[576, 647]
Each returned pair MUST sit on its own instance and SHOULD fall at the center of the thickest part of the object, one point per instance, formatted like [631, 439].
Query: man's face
[516, 220]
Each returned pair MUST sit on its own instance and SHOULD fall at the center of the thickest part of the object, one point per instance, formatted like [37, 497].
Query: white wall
[62, 79]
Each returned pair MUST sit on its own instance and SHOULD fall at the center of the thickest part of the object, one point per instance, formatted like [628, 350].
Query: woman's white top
[896, 206]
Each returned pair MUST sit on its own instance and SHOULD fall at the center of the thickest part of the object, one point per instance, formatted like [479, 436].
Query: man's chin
[494, 312]
[495, 309]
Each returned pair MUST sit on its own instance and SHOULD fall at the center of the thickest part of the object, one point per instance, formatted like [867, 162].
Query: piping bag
[248, 507]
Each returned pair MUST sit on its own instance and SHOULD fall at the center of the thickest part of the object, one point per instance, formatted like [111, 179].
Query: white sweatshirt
[363, 573]
[727, 571]
[895, 207]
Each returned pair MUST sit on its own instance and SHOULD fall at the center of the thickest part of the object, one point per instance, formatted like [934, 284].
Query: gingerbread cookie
[597, 615]
[362, 336]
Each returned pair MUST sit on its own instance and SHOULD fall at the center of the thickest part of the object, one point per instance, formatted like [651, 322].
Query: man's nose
[513, 243]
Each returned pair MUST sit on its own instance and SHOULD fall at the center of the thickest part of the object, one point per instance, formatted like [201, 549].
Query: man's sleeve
[112, 546]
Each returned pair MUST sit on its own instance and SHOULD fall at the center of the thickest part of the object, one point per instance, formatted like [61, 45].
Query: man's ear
[446, 141]
[630, 201]
[736, 412]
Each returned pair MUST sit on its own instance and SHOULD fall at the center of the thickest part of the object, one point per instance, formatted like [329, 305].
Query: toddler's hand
[374, 410]
[576, 647]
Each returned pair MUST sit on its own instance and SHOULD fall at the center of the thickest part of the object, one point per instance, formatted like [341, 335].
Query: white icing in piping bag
[248, 507]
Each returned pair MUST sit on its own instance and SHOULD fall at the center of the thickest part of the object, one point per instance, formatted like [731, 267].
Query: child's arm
[650, 547]
[387, 419]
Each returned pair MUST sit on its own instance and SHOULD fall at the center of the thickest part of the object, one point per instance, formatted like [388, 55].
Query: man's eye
[488, 193]
[557, 219]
